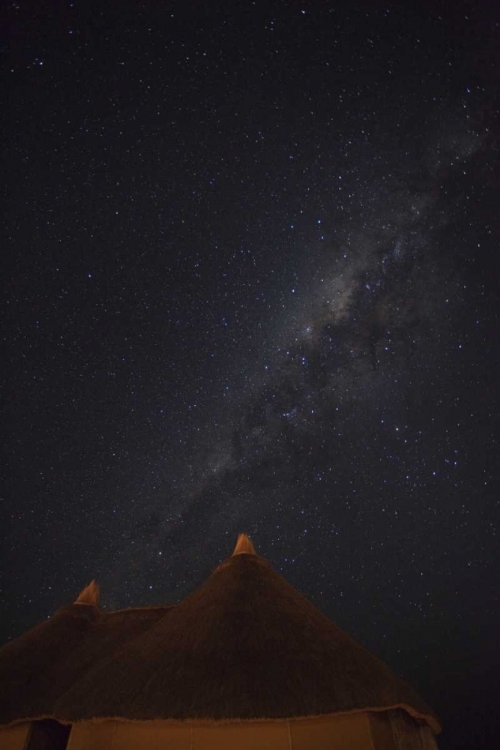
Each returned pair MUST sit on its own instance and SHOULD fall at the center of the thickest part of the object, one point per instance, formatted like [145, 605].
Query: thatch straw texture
[37, 668]
[245, 645]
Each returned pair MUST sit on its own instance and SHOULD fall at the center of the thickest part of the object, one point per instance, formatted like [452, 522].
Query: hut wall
[14, 738]
[408, 734]
[428, 739]
[114, 735]
[381, 730]
[342, 732]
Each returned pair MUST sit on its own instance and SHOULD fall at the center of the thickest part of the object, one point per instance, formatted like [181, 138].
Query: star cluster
[252, 285]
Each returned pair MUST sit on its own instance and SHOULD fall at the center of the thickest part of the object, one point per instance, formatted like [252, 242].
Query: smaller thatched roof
[37, 668]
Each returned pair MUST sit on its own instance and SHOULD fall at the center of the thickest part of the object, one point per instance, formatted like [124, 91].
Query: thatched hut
[245, 661]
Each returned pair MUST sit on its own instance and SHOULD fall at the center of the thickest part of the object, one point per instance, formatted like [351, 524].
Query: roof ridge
[244, 546]
[89, 595]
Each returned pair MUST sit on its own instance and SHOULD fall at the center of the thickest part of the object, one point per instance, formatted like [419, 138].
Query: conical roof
[28, 662]
[245, 645]
[42, 664]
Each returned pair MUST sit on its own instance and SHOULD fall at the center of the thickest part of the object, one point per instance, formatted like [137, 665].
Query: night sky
[251, 269]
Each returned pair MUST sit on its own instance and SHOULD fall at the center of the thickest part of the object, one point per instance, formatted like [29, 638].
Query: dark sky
[252, 284]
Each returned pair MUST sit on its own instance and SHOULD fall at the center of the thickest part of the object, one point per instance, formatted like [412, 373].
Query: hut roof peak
[89, 595]
[244, 546]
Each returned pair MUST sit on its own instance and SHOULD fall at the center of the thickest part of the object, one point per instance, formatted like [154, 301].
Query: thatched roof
[245, 645]
[37, 668]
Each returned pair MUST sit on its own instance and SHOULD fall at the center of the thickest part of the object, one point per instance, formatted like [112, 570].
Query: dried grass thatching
[245, 645]
[41, 665]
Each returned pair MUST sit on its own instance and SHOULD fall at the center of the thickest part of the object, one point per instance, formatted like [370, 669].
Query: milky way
[251, 284]
[358, 340]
